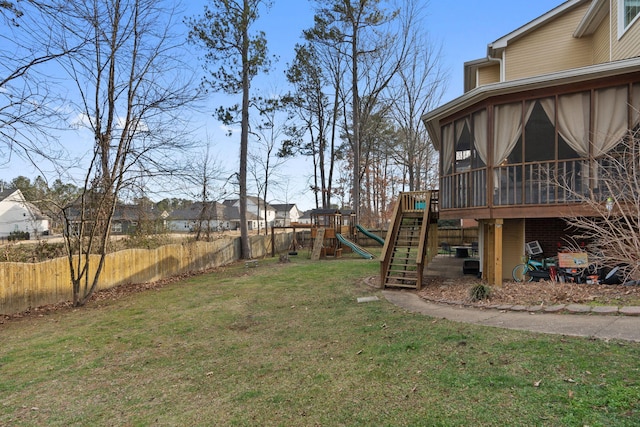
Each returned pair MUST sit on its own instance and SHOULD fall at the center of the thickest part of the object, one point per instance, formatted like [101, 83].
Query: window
[628, 11]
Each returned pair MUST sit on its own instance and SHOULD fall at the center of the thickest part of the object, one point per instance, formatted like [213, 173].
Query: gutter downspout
[500, 62]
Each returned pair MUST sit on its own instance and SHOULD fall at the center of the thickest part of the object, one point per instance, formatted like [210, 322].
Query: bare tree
[612, 229]
[129, 82]
[363, 31]
[207, 174]
[29, 100]
[317, 74]
[269, 130]
[234, 57]
[417, 88]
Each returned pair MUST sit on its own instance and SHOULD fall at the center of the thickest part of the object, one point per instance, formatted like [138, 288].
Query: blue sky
[463, 28]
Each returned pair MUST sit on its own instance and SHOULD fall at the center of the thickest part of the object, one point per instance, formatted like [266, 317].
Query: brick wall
[548, 232]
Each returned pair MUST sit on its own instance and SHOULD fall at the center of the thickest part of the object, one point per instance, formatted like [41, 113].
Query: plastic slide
[357, 249]
[370, 234]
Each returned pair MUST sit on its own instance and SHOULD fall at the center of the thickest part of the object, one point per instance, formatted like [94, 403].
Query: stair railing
[389, 242]
[423, 245]
[412, 201]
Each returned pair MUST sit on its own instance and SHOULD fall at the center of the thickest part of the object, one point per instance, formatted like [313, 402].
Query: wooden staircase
[410, 244]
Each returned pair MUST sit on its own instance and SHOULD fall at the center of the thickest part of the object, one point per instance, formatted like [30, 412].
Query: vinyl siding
[550, 48]
[628, 46]
[602, 42]
[488, 75]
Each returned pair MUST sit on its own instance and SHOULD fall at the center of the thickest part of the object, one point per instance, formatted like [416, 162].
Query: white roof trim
[592, 19]
[502, 42]
[607, 69]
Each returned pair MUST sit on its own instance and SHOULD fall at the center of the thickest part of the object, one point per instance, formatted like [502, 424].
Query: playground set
[332, 231]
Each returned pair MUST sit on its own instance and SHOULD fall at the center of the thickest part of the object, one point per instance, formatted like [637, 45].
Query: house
[129, 218]
[212, 216]
[305, 218]
[126, 219]
[18, 215]
[549, 99]
[286, 214]
[256, 208]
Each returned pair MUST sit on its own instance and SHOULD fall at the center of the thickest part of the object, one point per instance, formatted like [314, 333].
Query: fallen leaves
[544, 293]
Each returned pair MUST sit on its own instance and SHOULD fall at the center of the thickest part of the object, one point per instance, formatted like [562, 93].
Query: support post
[273, 243]
[492, 262]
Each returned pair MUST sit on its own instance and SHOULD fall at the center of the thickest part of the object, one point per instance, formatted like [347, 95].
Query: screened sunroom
[531, 148]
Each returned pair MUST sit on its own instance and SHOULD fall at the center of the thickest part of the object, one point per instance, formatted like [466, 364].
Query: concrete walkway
[591, 325]
[580, 325]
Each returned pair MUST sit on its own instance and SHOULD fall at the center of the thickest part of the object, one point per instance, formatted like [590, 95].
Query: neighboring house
[214, 216]
[549, 99]
[129, 218]
[126, 219]
[256, 208]
[305, 218]
[286, 214]
[18, 215]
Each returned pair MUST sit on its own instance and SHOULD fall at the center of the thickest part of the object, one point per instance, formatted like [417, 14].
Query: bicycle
[522, 272]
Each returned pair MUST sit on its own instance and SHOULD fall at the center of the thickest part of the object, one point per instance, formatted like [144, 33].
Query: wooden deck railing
[532, 183]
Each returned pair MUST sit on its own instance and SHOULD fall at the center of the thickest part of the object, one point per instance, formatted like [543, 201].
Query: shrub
[480, 292]
[18, 235]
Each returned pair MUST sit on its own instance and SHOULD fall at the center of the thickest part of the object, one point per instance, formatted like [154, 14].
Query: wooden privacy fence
[27, 285]
[457, 235]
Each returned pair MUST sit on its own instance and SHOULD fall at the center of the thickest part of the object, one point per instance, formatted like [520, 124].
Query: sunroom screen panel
[573, 121]
[610, 124]
[447, 148]
[480, 140]
[507, 129]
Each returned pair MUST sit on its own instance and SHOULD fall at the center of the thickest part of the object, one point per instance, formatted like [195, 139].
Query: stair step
[402, 273]
[398, 259]
[402, 267]
[402, 278]
[403, 261]
[399, 270]
[402, 285]
[404, 252]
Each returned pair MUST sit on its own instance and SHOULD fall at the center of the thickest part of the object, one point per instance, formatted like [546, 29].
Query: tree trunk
[244, 146]
[356, 124]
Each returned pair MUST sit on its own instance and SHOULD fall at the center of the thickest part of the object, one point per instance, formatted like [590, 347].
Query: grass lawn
[287, 344]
